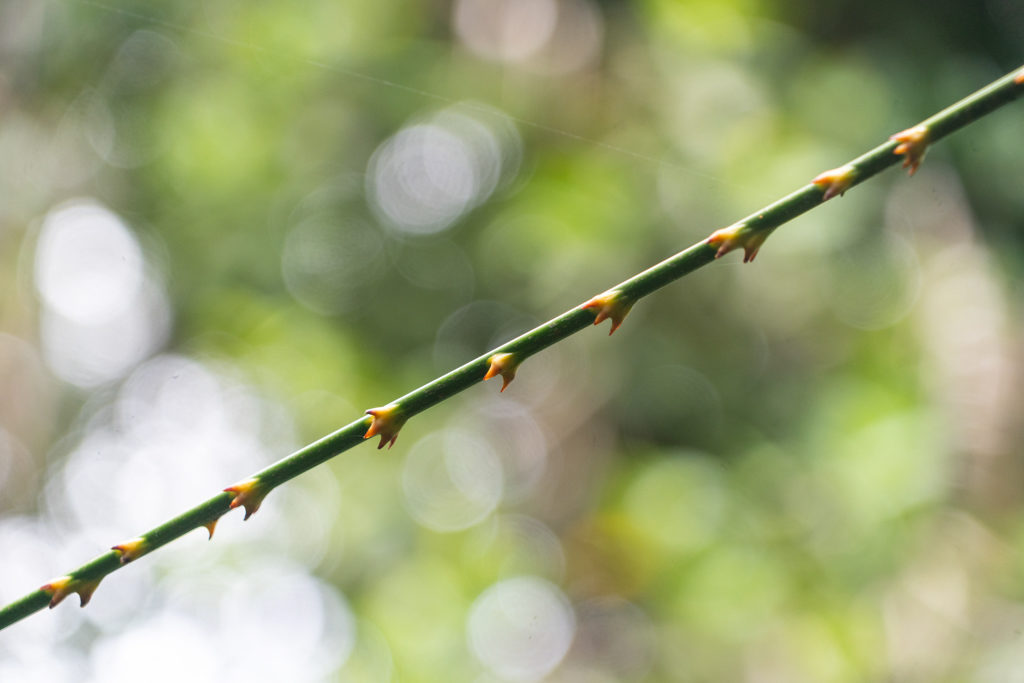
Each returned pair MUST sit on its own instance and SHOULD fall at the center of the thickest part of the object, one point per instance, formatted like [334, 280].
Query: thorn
[66, 585]
[58, 590]
[504, 364]
[612, 304]
[836, 182]
[131, 550]
[738, 235]
[1019, 78]
[248, 494]
[387, 421]
[210, 526]
[85, 591]
[913, 143]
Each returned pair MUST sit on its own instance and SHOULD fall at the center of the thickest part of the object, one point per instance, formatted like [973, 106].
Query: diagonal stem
[748, 234]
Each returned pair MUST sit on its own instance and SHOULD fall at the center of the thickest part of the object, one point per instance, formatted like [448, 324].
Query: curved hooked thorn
[248, 494]
[914, 144]
[66, 585]
[612, 304]
[836, 181]
[504, 364]
[387, 421]
[131, 550]
[738, 236]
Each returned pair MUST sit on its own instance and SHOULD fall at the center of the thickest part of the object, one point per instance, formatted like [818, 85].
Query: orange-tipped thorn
[612, 304]
[914, 144]
[211, 526]
[131, 550]
[504, 364]
[387, 421]
[836, 182]
[738, 236]
[248, 494]
[1019, 78]
[65, 586]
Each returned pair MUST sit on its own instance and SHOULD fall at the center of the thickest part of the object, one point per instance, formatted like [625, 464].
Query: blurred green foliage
[806, 469]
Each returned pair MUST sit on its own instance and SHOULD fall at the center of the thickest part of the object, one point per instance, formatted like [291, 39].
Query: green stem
[747, 233]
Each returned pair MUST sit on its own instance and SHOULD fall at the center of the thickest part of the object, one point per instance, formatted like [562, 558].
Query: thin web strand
[395, 85]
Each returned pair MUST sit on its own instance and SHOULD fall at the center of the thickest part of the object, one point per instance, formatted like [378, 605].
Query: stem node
[612, 304]
[504, 364]
[248, 494]
[66, 585]
[131, 550]
[836, 181]
[737, 236]
[387, 422]
[914, 144]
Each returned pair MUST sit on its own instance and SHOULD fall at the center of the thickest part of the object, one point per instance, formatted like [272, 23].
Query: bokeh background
[228, 228]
